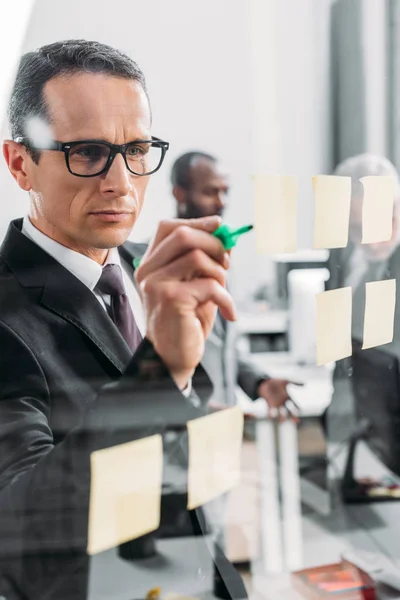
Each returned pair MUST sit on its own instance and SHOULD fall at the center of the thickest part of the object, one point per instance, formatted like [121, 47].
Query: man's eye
[133, 151]
[89, 152]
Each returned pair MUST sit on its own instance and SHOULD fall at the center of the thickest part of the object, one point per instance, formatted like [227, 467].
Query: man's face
[89, 214]
[208, 193]
[378, 252]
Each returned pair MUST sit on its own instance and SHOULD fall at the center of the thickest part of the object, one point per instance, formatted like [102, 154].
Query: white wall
[197, 57]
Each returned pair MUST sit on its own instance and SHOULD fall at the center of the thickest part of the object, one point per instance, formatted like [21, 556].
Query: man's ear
[180, 197]
[16, 158]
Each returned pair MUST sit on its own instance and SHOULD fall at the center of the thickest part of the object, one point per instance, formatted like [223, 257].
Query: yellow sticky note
[125, 492]
[275, 209]
[332, 196]
[380, 303]
[215, 445]
[377, 212]
[333, 325]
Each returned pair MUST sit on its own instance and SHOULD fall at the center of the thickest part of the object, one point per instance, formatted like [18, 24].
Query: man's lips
[111, 215]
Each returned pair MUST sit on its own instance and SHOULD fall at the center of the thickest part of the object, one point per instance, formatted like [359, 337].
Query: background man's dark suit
[69, 386]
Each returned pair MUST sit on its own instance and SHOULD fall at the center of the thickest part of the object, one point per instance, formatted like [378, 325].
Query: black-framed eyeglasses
[89, 158]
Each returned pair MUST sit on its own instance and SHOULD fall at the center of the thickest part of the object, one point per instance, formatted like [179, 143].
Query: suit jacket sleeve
[44, 488]
[249, 376]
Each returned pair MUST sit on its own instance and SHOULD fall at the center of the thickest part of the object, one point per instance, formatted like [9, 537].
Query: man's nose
[117, 180]
[221, 200]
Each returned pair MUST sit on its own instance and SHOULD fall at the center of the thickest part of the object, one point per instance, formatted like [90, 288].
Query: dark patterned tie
[111, 283]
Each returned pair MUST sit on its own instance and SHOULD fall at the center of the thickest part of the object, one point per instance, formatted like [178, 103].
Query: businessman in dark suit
[78, 371]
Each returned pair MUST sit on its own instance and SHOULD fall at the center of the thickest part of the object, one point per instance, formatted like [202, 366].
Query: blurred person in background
[354, 266]
[359, 263]
[200, 186]
[348, 265]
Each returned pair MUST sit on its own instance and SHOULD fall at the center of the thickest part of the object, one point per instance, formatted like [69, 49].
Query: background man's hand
[275, 392]
[182, 283]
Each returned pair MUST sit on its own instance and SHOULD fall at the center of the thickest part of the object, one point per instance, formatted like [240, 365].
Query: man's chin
[111, 239]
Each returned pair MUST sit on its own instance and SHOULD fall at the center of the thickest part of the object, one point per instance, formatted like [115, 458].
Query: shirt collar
[84, 268]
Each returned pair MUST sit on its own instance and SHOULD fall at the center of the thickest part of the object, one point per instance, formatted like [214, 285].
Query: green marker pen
[229, 236]
[224, 233]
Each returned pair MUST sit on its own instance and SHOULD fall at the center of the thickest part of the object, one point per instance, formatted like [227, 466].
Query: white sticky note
[333, 339]
[275, 210]
[332, 196]
[215, 447]
[377, 212]
[125, 492]
[380, 303]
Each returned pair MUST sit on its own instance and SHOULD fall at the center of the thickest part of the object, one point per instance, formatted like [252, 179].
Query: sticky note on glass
[215, 445]
[125, 492]
[332, 196]
[275, 210]
[380, 303]
[333, 338]
[377, 212]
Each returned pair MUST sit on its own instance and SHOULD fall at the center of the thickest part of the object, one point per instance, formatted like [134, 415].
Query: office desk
[182, 566]
[313, 398]
[295, 537]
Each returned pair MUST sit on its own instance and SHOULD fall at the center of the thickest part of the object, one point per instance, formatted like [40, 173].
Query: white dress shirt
[89, 272]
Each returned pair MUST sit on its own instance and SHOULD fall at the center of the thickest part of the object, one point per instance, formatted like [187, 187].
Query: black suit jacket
[69, 386]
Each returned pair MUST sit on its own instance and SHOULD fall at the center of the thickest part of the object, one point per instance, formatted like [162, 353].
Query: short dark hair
[62, 58]
[181, 169]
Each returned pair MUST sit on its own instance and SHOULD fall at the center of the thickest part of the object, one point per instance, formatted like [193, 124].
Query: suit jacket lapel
[63, 294]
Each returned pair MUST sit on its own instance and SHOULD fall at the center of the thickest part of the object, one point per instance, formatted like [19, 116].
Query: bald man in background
[359, 263]
[354, 266]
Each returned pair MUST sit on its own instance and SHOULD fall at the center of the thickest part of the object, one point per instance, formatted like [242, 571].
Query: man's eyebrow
[103, 141]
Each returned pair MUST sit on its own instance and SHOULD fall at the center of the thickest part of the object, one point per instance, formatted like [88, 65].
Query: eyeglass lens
[91, 158]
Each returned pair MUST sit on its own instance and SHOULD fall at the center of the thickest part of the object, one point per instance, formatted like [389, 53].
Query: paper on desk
[275, 209]
[377, 212]
[313, 397]
[215, 444]
[332, 196]
[125, 492]
[380, 302]
[333, 340]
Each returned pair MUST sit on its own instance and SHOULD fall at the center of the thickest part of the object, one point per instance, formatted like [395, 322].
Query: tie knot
[111, 282]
